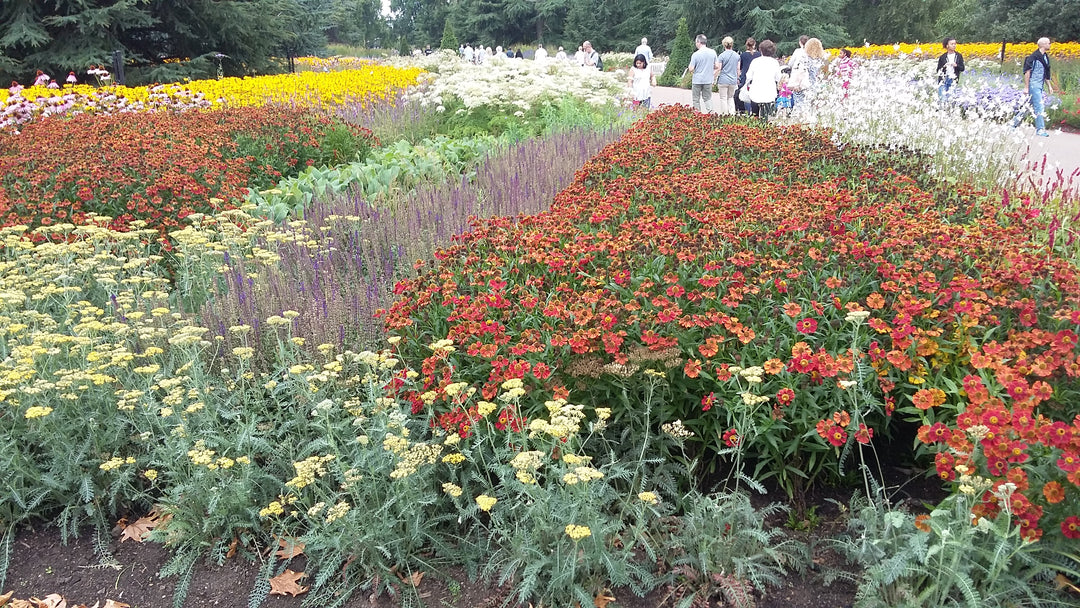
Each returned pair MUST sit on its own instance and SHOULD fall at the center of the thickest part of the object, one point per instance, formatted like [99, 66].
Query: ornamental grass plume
[338, 266]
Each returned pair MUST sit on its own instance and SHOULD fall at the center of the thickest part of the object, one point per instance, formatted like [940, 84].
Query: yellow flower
[290, 314]
[485, 502]
[274, 508]
[578, 532]
[337, 511]
[603, 413]
[451, 489]
[150, 474]
[454, 458]
[649, 498]
[243, 352]
[37, 411]
[483, 408]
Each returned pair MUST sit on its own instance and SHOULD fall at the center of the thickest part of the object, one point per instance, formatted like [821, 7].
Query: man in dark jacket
[949, 67]
[1037, 77]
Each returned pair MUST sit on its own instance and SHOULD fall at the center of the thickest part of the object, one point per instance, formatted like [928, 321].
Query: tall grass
[339, 265]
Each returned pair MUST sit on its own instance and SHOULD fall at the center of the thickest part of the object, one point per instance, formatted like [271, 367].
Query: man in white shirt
[643, 49]
[561, 55]
[579, 56]
[541, 53]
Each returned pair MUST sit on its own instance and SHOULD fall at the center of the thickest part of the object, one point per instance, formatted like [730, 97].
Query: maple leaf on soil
[290, 547]
[286, 584]
[139, 530]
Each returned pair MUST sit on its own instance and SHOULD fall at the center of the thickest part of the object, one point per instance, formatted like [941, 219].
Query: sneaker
[1042, 133]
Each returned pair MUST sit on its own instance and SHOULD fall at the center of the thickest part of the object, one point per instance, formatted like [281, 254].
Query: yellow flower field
[369, 83]
[970, 50]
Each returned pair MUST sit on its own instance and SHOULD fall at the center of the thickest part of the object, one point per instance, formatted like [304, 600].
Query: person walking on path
[729, 77]
[591, 57]
[1037, 77]
[641, 82]
[644, 49]
[747, 56]
[949, 67]
[763, 79]
[705, 67]
[541, 53]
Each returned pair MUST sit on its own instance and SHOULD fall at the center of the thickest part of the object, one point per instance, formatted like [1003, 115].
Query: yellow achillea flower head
[485, 502]
[577, 532]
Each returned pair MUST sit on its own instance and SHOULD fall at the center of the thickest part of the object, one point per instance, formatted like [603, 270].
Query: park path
[1061, 150]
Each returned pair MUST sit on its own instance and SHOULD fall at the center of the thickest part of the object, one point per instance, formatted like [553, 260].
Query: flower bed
[970, 50]
[749, 278]
[159, 167]
[364, 87]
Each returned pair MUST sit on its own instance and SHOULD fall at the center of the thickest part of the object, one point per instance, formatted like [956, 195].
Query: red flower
[731, 438]
[708, 401]
[864, 434]
[785, 396]
[806, 326]
[1071, 527]
[837, 436]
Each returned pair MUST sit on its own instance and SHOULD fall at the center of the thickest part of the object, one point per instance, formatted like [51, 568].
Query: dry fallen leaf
[290, 548]
[1062, 583]
[6, 597]
[112, 604]
[53, 600]
[602, 600]
[139, 530]
[286, 584]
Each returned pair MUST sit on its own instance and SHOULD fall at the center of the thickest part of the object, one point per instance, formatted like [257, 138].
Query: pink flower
[71, 78]
[806, 326]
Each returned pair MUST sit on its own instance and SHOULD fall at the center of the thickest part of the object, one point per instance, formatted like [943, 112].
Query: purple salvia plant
[362, 249]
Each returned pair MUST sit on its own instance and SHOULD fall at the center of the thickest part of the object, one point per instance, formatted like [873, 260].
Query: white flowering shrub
[894, 105]
[510, 84]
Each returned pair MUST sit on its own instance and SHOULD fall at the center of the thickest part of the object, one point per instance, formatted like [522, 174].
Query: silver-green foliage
[955, 563]
[398, 167]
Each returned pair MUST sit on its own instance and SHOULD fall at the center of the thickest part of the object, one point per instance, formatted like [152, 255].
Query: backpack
[599, 62]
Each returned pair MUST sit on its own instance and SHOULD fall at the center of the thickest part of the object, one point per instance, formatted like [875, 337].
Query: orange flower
[1053, 492]
[923, 399]
[773, 366]
[692, 368]
[875, 300]
[792, 309]
[922, 522]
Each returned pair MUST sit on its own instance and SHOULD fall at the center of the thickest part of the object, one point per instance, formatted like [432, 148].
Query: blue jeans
[943, 88]
[1037, 108]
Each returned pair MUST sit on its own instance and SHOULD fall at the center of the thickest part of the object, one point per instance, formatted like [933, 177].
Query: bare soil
[43, 565]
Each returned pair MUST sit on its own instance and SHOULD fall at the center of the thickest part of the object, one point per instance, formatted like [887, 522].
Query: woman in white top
[762, 78]
[641, 81]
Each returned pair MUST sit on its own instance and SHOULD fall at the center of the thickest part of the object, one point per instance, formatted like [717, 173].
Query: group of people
[585, 56]
[754, 81]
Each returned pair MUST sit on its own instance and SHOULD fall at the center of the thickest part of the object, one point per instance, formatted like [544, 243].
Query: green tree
[403, 48]
[449, 40]
[679, 59]
[783, 21]
[66, 34]
[888, 21]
